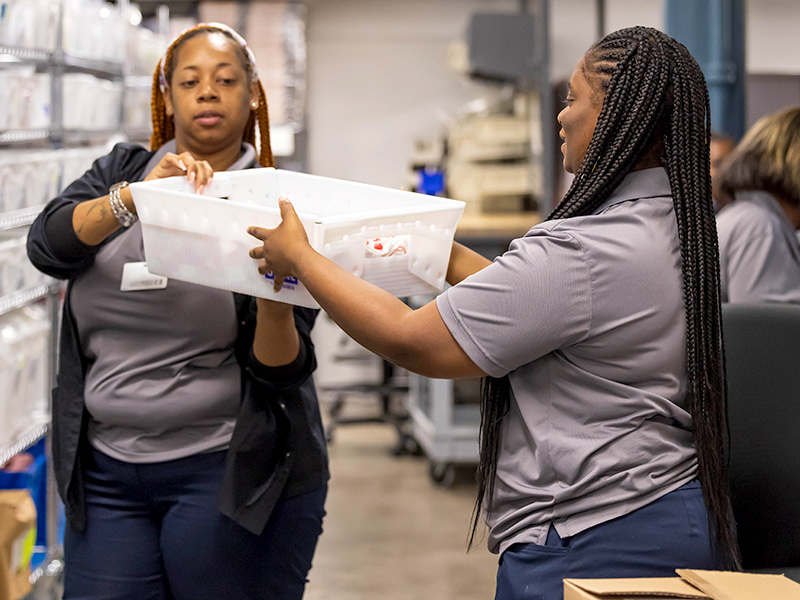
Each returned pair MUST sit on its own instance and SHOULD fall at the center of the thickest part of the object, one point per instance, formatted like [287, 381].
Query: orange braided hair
[164, 126]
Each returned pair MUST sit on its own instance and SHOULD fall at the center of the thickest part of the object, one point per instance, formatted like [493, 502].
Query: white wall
[772, 36]
[573, 29]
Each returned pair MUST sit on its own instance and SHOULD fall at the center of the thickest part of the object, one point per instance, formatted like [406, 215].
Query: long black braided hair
[656, 103]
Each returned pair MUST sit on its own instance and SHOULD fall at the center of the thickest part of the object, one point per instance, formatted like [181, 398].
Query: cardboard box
[692, 584]
[17, 537]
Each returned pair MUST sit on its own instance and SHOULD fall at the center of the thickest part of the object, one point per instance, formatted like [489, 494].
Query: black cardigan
[278, 445]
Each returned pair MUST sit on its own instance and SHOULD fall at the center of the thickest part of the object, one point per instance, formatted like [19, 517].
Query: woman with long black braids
[603, 411]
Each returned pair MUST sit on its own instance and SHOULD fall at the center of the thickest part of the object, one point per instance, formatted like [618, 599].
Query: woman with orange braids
[187, 441]
[598, 334]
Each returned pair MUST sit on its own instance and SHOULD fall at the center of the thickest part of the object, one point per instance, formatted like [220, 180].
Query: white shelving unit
[72, 65]
[38, 422]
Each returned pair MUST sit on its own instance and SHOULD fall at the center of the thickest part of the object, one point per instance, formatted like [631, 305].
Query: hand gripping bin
[203, 238]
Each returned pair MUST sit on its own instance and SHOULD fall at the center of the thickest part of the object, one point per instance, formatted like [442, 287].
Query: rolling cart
[445, 422]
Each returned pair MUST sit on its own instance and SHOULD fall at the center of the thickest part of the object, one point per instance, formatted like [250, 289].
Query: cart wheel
[443, 474]
[409, 445]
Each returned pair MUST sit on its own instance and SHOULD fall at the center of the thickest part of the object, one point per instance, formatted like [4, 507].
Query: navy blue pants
[153, 533]
[670, 533]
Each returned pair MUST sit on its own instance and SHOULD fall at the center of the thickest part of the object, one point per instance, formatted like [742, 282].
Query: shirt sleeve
[532, 300]
[755, 268]
[753, 258]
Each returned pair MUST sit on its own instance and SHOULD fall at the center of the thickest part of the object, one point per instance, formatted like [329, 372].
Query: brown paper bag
[17, 537]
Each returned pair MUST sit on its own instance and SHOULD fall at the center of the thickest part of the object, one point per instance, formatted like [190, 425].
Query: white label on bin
[136, 277]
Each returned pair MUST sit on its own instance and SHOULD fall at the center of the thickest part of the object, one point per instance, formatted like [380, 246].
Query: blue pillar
[713, 31]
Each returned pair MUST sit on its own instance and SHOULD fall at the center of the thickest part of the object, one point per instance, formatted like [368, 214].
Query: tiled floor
[390, 532]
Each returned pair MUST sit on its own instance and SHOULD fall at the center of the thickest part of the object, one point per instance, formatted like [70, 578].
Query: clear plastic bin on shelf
[24, 368]
[76, 161]
[144, 49]
[29, 23]
[24, 98]
[13, 264]
[40, 175]
[91, 102]
[12, 190]
[28, 179]
[397, 240]
[95, 29]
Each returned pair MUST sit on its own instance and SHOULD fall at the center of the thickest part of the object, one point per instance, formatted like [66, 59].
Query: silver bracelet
[125, 217]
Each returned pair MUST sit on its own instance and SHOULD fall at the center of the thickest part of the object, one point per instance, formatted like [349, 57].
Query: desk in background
[490, 233]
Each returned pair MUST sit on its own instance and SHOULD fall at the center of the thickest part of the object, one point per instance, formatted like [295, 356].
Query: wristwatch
[125, 217]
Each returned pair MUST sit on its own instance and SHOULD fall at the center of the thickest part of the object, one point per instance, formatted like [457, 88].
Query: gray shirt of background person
[758, 250]
[163, 381]
[587, 316]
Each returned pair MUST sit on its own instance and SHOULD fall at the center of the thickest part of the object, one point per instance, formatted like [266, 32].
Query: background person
[603, 413]
[758, 245]
[187, 441]
[721, 146]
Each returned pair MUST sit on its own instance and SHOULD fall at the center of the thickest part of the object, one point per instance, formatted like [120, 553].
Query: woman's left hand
[283, 248]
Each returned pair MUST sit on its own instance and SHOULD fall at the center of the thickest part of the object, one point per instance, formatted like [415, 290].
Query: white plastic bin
[203, 238]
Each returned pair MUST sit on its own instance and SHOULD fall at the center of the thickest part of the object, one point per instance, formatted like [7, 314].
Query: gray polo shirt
[758, 250]
[163, 381]
[587, 316]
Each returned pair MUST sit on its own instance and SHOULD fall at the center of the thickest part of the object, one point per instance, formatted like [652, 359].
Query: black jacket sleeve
[288, 376]
[293, 374]
[53, 246]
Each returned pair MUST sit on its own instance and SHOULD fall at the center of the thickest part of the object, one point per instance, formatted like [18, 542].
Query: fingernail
[191, 176]
[181, 165]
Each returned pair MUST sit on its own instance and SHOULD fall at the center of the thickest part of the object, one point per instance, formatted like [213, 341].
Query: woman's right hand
[199, 172]
[283, 247]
